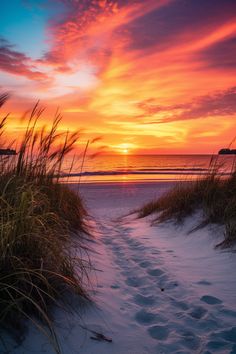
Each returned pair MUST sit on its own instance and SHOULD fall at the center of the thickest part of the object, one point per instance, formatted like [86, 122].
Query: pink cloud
[17, 63]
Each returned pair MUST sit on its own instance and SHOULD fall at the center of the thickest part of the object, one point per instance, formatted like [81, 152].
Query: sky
[142, 77]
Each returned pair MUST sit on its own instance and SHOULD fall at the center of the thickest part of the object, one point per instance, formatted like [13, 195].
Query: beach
[156, 289]
[118, 177]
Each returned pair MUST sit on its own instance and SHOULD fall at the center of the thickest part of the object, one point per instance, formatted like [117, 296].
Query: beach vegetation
[214, 194]
[43, 230]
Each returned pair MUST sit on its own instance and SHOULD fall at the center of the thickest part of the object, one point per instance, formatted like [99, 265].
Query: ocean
[145, 168]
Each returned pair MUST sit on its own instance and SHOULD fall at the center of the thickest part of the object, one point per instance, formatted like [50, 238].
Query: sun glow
[124, 148]
[125, 151]
[114, 71]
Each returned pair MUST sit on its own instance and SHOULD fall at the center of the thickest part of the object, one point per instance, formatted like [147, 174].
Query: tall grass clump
[43, 254]
[214, 194]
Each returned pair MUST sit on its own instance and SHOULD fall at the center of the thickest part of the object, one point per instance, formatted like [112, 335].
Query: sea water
[146, 168]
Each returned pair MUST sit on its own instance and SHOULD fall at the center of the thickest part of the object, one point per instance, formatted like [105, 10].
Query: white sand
[157, 289]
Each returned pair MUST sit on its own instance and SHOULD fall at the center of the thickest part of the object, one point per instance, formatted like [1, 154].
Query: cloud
[92, 30]
[222, 103]
[17, 63]
[181, 19]
[220, 55]
[106, 58]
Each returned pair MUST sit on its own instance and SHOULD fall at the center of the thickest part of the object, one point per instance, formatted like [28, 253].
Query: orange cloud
[119, 69]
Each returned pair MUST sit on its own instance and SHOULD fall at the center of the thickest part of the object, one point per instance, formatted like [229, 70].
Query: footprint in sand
[217, 346]
[198, 312]
[143, 300]
[144, 264]
[204, 282]
[155, 272]
[228, 312]
[180, 304]
[135, 281]
[158, 332]
[145, 318]
[115, 286]
[207, 323]
[171, 285]
[210, 300]
[190, 340]
[229, 335]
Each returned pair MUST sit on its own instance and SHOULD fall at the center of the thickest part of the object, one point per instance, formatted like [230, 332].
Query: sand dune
[156, 289]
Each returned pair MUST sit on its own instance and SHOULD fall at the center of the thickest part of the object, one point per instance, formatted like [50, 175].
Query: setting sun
[125, 148]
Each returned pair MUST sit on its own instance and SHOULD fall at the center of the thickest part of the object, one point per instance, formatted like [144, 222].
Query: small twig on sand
[97, 336]
[100, 337]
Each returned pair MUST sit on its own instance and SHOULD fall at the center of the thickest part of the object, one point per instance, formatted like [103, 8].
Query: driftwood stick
[97, 336]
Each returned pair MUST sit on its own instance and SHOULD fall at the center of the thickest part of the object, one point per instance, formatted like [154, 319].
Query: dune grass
[42, 230]
[213, 194]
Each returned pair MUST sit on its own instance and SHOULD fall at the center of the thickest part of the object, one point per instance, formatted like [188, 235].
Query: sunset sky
[147, 76]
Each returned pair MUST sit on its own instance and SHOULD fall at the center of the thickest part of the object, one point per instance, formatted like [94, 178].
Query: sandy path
[155, 290]
[168, 314]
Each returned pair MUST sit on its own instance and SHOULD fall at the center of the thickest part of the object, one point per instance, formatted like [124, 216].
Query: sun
[125, 151]
[124, 148]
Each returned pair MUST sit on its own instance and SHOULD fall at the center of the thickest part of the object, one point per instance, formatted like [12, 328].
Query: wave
[157, 171]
